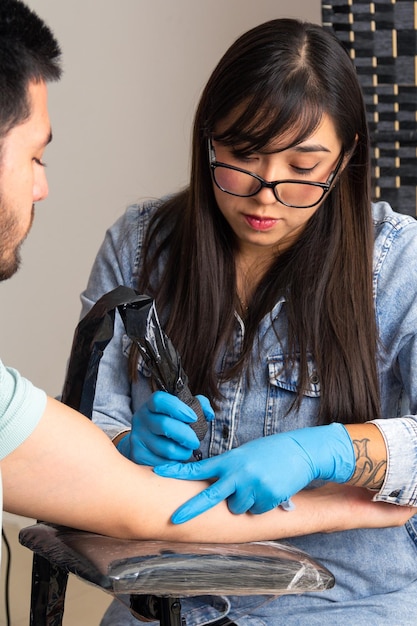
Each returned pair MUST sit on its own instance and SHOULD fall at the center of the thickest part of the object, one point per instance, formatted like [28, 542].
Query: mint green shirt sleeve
[21, 407]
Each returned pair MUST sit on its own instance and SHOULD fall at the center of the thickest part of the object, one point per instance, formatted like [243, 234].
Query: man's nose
[40, 186]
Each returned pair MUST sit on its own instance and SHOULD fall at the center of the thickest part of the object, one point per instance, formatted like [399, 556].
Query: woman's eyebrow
[303, 148]
[311, 148]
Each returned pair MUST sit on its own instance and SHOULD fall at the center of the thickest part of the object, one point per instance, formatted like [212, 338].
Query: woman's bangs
[256, 124]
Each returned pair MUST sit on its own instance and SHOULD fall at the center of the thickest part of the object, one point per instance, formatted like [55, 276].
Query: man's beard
[9, 249]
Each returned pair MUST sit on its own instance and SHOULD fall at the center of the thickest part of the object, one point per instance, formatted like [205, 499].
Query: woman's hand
[161, 432]
[262, 474]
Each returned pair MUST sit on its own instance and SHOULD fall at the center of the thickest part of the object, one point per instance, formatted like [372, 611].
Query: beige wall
[121, 120]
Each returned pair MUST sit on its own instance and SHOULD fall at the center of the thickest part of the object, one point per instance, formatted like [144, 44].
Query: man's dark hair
[28, 52]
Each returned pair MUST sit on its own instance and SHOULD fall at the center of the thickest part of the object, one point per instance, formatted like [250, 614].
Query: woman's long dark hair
[278, 78]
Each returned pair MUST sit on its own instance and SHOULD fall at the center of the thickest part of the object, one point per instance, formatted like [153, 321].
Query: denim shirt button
[395, 494]
[314, 379]
[225, 432]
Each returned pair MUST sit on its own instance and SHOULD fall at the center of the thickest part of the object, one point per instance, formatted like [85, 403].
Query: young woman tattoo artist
[291, 298]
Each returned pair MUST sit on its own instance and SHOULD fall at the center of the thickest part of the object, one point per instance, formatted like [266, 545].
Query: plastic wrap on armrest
[178, 569]
[184, 569]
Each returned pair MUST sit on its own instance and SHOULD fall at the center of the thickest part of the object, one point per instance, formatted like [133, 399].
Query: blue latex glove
[161, 432]
[264, 473]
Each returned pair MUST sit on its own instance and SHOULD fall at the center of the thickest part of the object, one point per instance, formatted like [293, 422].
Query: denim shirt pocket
[282, 389]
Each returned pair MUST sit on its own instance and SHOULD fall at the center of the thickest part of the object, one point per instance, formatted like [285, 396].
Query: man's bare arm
[68, 472]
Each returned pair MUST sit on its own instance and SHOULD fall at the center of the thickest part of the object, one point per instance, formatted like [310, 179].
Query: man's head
[29, 57]
[28, 52]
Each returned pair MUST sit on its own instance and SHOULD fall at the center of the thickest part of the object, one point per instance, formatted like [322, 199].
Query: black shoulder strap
[141, 322]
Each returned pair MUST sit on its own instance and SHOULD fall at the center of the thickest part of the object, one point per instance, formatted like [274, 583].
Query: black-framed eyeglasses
[297, 194]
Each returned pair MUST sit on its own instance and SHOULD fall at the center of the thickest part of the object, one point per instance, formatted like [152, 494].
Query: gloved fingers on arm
[204, 501]
[248, 498]
[242, 500]
[202, 470]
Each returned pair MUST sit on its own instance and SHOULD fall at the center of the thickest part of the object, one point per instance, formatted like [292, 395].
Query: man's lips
[260, 223]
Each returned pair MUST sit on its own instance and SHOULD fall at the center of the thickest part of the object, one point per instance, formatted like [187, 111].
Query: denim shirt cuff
[400, 483]
[121, 432]
[112, 430]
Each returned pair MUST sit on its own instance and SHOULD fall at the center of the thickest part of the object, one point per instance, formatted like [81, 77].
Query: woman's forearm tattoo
[369, 472]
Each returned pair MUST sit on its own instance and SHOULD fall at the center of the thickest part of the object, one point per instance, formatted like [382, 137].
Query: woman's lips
[260, 223]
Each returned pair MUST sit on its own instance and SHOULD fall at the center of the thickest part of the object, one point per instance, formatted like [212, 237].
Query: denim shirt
[375, 569]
